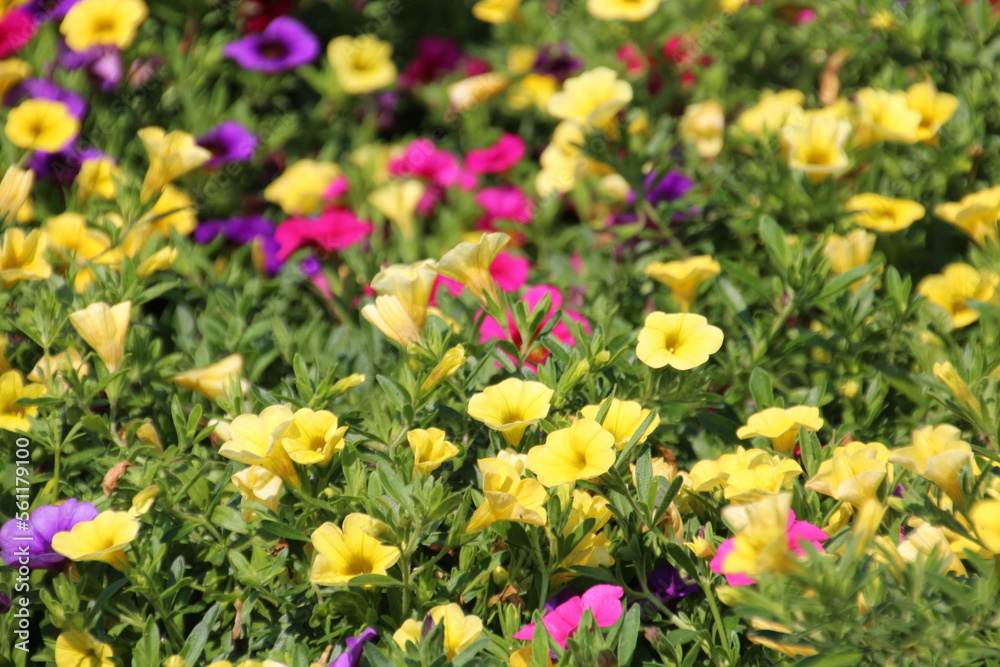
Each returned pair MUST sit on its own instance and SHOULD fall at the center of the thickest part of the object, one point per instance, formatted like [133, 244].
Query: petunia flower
[343, 553]
[603, 601]
[885, 116]
[956, 285]
[848, 252]
[77, 648]
[501, 156]
[412, 284]
[302, 187]
[507, 496]
[622, 10]
[334, 229]
[622, 420]
[469, 264]
[17, 28]
[938, 454]
[171, 155]
[985, 516]
[853, 473]
[102, 63]
[211, 381]
[450, 362]
[362, 64]
[42, 525]
[680, 340]
[497, 11]
[430, 449]
[398, 201]
[511, 407]
[256, 440]
[228, 142]
[351, 657]
[22, 257]
[283, 45]
[460, 630]
[703, 126]
[883, 214]
[591, 99]
[240, 230]
[258, 485]
[103, 23]
[43, 89]
[104, 328]
[435, 57]
[935, 108]
[41, 125]
[815, 146]
[668, 585]
[313, 437]
[390, 316]
[510, 273]
[102, 538]
[781, 426]
[977, 214]
[684, 276]
[581, 452]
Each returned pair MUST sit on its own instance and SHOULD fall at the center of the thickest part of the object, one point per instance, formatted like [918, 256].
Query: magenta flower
[499, 157]
[283, 45]
[506, 202]
[799, 533]
[102, 63]
[334, 229]
[17, 27]
[229, 142]
[604, 602]
[42, 524]
[435, 58]
[422, 159]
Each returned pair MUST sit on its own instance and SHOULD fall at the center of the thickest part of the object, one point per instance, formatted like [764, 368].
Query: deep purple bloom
[43, 523]
[49, 10]
[62, 166]
[670, 187]
[436, 57]
[562, 596]
[355, 645]
[103, 64]
[283, 45]
[240, 230]
[43, 89]
[667, 584]
[554, 60]
[311, 266]
[229, 142]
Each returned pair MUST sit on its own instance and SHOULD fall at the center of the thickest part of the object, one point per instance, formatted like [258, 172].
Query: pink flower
[799, 533]
[805, 16]
[337, 189]
[603, 601]
[506, 202]
[501, 156]
[491, 329]
[334, 229]
[422, 159]
[509, 272]
[17, 27]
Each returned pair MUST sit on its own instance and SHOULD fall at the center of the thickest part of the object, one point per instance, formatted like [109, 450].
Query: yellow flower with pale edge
[397, 201]
[885, 116]
[985, 517]
[749, 485]
[883, 214]
[161, 260]
[955, 286]
[460, 631]
[591, 99]
[781, 426]
[975, 214]
[622, 420]
[300, 188]
[15, 188]
[362, 64]
[23, 257]
[170, 157]
[926, 540]
[474, 90]
[496, 11]
[622, 10]
[511, 407]
[313, 437]
[211, 381]
[581, 452]
[103, 538]
[761, 546]
[523, 657]
[853, 474]
[469, 264]
[946, 374]
[430, 449]
[684, 276]
[680, 340]
[389, 315]
[770, 112]
[849, 252]
[507, 496]
[702, 126]
[450, 362]
[104, 328]
[41, 125]
[79, 649]
[12, 72]
[103, 23]
[411, 284]
[14, 417]
[594, 550]
[256, 440]
[934, 108]
[816, 147]
[347, 383]
[938, 454]
[258, 485]
[348, 552]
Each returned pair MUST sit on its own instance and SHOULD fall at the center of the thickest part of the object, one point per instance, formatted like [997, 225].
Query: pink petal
[604, 600]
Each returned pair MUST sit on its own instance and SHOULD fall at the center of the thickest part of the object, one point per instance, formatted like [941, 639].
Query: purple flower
[355, 645]
[43, 89]
[49, 10]
[229, 142]
[240, 230]
[562, 596]
[62, 166]
[670, 187]
[4, 603]
[43, 523]
[311, 266]
[555, 60]
[667, 584]
[103, 64]
[283, 45]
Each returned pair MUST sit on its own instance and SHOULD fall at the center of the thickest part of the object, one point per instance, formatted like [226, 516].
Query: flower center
[273, 49]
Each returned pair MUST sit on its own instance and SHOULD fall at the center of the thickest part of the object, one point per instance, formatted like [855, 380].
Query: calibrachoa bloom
[43, 523]
[334, 229]
[781, 426]
[883, 214]
[770, 112]
[581, 452]
[707, 475]
[603, 601]
[491, 329]
[469, 264]
[853, 474]
[591, 99]
[935, 108]
[228, 142]
[351, 656]
[41, 125]
[955, 286]
[622, 420]
[348, 552]
[256, 440]
[450, 362]
[622, 10]
[283, 45]
[684, 276]
[703, 126]
[986, 520]
[460, 630]
[103, 23]
[22, 257]
[938, 454]
[15, 188]
[501, 156]
[507, 496]
[301, 188]
[362, 63]
[849, 252]
[511, 407]
[79, 649]
[976, 214]
[816, 147]
[430, 449]
[398, 201]
[104, 328]
[258, 485]
[102, 538]
[313, 437]
[390, 316]
[171, 155]
[411, 284]
[211, 381]
[885, 116]
[680, 340]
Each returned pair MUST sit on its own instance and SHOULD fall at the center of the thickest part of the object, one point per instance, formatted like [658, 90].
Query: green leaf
[629, 636]
[147, 651]
[841, 660]
[761, 389]
[195, 644]
[374, 580]
[396, 394]
[281, 530]
[845, 280]
[774, 241]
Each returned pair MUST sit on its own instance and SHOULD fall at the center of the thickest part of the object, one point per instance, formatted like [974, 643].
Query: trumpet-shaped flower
[398, 201]
[507, 496]
[171, 155]
[563, 161]
[603, 601]
[41, 125]
[79, 649]
[955, 286]
[761, 545]
[744, 486]
[622, 420]
[348, 552]
[849, 252]
[14, 417]
[934, 108]
[770, 112]
[68, 233]
[591, 99]
[91, 23]
[104, 328]
[411, 284]
[985, 517]
[622, 10]
[703, 126]
[256, 440]
[930, 540]
[211, 381]
[708, 475]
[853, 474]
[511, 407]
[282, 45]
[103, 538]
[450, 362]
[498, 158]
[469, 264]
[15, 188]
[258, 485]
[362, 64]
[460, 630]
[781, 426]
[161, 260]
[313, 437]
[23, 257]
[938, 454]
[797, 535]
[301, 187]
[684, 276]
[945, 373]
[885, 116]
[976, 214]
[680, 340]
[390, 316]
[815, 146]
[581, 452]
[430, 449]
[883, 214]
[97, 178]
[496, 11]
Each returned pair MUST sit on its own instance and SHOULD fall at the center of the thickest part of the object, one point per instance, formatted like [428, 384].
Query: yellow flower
[147, 435]
[679, 340]
[591, 99]
[362, 63]
[23, 257]
[853, 474]
[258, 485]
[175, 661]
[12, 388]
[781, 425]
[15, 188]
[170, 157]
[12, 72]
[885, 116]
[985, 517]
[883, 20]
[397, 201]
[160, 260]
[256, 440]
[469, 264]
[749, 485]
[702, 125]
[883, 214]
[497, 11]
[450, 362]
[849, 252]
[511, 407]
[507, 496]
[532, 89]
[343, 554]
[594, 550]
[563, 162]
[938, 454]
[946, 374]
[460, 631]
[97, 178]
[474, 90]
[770, 112]
[708, 475]
[103, 23]
[957, 284]
[523, 657]
[701, 547]
[581, 452]
[389, 315]
[103, 538]
[104, 328]
[211, 381]
[430, 449]
[313, 437]
[411, 284]
[41, 125]
[761, 545]
[347, 383]
[816, 147]
[68, 233]
[684, 276]
[934, 108]
[300, 188]
[143, 501]
[410, 631]
[791, 649]
[79, 649]
[53, 365]
[927, 540]
[976, 214]
[622, 420]
[622, 10]
[521, 58]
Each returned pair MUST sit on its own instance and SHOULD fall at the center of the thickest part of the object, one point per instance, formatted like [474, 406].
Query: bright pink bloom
[491, 329]
[805, 16]
[337, 189]
[636, 62]
[334, 229]
[17, 27]
[799, 533]
[604, 601]
[501, 156]
[422, 159]
[506, 202]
